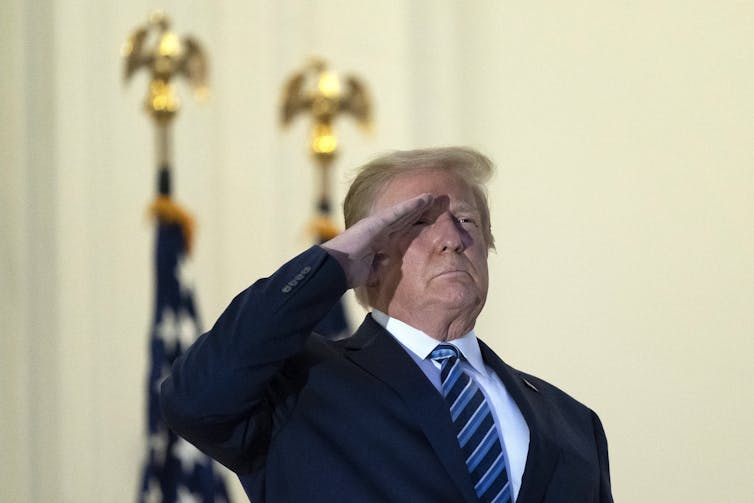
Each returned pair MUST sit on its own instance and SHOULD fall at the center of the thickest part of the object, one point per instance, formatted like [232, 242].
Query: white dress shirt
[511, 425]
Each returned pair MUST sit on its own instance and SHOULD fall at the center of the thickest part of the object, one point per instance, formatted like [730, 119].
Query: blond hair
[465, 163]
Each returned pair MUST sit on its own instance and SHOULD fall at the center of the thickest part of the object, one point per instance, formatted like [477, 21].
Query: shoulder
[546, 388]
[544, 397]
[528, 385]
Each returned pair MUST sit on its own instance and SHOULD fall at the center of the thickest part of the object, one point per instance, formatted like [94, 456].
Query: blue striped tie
[475, 427]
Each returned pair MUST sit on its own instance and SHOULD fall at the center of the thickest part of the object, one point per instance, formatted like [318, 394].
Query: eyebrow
[464, 206]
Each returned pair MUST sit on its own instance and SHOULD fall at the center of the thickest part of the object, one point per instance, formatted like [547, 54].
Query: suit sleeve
[232, 387]
[605, 490]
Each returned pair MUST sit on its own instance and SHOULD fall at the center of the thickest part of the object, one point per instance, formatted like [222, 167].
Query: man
[411, 408]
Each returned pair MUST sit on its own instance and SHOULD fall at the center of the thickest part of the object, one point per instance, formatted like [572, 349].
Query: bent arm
[236, 382]
[228, 389]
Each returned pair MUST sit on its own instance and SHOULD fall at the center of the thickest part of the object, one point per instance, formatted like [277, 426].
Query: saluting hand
[356, 247]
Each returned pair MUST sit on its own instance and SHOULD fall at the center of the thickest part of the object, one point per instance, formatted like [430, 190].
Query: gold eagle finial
[324, 95]
[154, 47]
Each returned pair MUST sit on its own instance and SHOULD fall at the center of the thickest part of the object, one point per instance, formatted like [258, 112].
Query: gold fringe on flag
[165, 210]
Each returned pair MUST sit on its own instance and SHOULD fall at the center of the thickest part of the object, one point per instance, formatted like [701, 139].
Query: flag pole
[163, 141]
[324, 95]
[174, 470]
[153, 47]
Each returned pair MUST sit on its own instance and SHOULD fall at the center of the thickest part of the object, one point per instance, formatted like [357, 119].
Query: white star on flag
[167, 329]
[186, 329]
[185, 274]
[154, 493]
[186, 496]
[187, 454]
[158, 442]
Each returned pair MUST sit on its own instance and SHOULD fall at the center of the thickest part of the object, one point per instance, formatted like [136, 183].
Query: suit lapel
[374, 350]
[543, 450]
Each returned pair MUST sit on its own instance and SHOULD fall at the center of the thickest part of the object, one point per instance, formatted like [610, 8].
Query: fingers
[355, 248]
[405, 213]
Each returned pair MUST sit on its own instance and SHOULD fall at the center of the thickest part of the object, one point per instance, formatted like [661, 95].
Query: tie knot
[443, 352]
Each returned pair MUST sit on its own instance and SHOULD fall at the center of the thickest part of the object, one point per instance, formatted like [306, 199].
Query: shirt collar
[422, 344]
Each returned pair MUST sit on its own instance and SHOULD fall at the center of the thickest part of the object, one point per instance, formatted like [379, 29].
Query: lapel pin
[526, 381]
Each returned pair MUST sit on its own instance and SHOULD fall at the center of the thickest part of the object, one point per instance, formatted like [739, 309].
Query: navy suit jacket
[301, 419]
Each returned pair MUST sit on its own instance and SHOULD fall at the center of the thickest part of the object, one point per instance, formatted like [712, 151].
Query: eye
[467, 221]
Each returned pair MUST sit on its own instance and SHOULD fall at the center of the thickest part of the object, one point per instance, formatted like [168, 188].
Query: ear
[379, 262]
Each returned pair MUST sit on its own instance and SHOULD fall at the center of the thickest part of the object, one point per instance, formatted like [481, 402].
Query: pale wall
[623, 209]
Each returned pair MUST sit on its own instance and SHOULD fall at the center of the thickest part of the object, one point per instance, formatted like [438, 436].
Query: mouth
[453, 272]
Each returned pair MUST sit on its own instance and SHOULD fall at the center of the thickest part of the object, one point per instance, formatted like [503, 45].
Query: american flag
[174, 470]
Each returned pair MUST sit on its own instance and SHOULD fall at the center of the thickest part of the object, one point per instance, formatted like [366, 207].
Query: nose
[449, 236]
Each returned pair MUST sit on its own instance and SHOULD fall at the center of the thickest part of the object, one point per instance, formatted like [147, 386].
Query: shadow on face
[387, 265]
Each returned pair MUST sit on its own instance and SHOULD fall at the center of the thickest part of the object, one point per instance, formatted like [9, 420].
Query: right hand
[356, 247]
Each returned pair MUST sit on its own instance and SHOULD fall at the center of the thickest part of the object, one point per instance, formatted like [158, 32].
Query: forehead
[437, 182]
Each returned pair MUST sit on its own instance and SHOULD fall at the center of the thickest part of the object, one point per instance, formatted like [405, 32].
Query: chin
[460, 300]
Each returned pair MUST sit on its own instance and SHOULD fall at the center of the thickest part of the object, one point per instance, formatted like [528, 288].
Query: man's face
[438, 267]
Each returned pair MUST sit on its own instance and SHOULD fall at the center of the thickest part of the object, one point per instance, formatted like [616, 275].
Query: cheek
[411, 262]
[479, 259]
[401, 242]
[412, 244]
